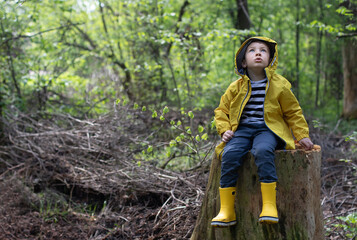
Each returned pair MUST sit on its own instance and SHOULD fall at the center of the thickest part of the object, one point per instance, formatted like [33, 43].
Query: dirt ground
[21, 219]
[77, 179]
[25, 215]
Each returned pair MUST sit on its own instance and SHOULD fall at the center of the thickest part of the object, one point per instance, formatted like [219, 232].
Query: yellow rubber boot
[269, 213]
[227, 215]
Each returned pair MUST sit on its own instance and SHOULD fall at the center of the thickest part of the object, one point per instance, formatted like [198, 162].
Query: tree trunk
[318, 56]
[297, 44]
[350, 79]
[243, 20]
[1, 118]
[298, 201]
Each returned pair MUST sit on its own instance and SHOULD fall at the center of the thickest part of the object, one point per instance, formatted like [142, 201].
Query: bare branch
[38, 33]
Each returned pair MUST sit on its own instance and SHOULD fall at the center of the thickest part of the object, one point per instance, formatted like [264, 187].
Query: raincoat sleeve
[293, 114]
[222, 112]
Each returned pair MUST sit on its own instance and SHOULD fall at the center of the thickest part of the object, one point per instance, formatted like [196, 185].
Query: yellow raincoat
[282, 112]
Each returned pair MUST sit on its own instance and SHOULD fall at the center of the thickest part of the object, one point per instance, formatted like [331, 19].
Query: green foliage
[348, 224]
[50, 212]
[352, 137]
[353, 149]
[317, 124]
[84, 55]
[187, 142]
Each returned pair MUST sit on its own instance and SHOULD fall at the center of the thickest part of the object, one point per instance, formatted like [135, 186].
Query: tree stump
[298, 200]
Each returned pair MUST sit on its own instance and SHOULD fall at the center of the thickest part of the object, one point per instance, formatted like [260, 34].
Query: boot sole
[223, 224]
[268, 220]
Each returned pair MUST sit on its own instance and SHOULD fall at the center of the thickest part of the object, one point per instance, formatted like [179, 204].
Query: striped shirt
[253, 112]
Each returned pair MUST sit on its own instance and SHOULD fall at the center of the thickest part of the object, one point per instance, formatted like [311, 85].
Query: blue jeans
[262, 142]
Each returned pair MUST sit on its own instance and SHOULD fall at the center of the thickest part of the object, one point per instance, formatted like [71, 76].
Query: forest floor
[59, 191]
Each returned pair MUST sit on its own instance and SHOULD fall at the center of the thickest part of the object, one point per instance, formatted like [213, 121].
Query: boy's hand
[227, 135]
[306, 143]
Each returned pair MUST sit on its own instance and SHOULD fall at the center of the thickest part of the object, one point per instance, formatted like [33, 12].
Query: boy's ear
[244, 64]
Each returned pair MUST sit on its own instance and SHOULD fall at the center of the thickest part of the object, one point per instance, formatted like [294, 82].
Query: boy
[256, 113]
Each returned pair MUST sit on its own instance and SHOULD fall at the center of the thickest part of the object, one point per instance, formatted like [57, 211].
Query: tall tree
[10, 53]
[243, 20]
[350, 78]
[297, 44]
[318, 54]
[348, 10]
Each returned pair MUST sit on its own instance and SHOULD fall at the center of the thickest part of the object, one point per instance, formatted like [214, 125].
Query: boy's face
[257, 56]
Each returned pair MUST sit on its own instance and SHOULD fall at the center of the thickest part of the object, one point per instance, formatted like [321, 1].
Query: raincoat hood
[241, 54]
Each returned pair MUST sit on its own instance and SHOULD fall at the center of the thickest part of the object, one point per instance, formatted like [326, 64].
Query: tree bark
[350, 79]
[298, 201]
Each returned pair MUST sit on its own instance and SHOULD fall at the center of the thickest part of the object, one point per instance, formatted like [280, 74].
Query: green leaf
[182, 111]
[154, 114]
[190, 114]
[162, 118]
[173, 143]
[205, 136]
[166, 110]
[168, 153]
[189, 131]
[143, 108]
[351, 27]
[149, 149]
[197, 138]
[136, 106]
[200, 129]
[213, 124]
[179, 123]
